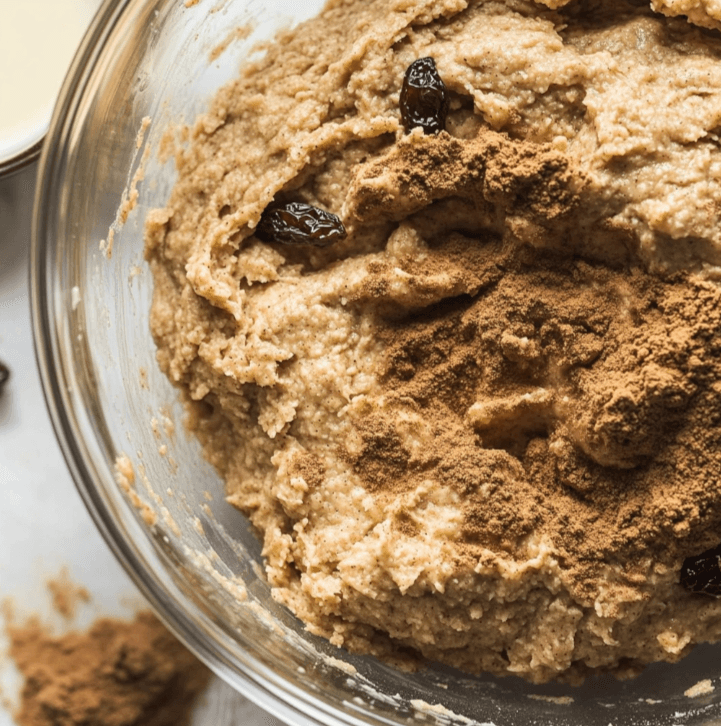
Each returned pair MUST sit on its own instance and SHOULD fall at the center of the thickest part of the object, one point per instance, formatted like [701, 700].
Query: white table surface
[44, 526]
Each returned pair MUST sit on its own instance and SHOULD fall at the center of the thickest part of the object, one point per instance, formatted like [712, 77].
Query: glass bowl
[159, 505]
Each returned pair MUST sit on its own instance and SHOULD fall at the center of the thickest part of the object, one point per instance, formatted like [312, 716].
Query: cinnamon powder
[116, 674]
[559, 396]
[66, 595]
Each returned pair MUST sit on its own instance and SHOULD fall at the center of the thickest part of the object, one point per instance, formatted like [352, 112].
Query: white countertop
[44, 526]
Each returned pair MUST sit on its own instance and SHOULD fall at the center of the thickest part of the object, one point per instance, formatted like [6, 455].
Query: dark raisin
[702, 573]
[296, 223]
[424, 99]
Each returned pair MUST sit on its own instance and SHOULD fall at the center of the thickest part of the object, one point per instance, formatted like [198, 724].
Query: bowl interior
[143, 71]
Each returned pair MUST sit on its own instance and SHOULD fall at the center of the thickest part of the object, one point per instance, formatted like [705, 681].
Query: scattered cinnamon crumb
[115, 674]
[66, 594]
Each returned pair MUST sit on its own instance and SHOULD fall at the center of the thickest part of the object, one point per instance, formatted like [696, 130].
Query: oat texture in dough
[482, 429]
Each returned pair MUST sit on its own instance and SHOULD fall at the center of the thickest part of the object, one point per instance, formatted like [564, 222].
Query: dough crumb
[125, 477]
[439, 710]
[702, 688]
[558, 700]
[341, 665]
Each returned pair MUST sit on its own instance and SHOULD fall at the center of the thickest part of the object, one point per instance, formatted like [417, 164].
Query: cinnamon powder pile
[115, 674]
[585, 397]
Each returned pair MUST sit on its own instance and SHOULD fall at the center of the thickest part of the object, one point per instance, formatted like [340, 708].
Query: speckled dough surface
[482, 428]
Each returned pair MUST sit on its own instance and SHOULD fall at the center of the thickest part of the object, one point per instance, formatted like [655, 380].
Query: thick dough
[595, 127]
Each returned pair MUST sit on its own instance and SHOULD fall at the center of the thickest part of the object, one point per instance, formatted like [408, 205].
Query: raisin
[4, 375]
[296, 223]
[424, 99]
[702, 573]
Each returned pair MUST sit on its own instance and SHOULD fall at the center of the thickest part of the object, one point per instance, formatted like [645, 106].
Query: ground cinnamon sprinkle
[587, 397]
[497, 173]
[116, 674]
[586, 394]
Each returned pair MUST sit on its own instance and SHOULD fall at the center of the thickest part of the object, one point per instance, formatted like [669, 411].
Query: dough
[480, 430]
